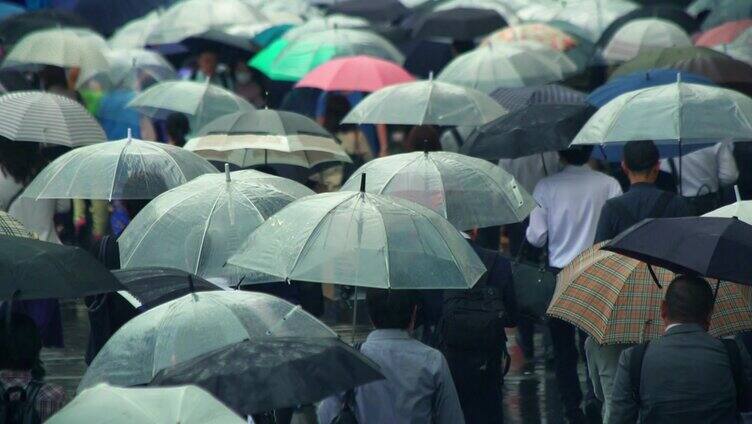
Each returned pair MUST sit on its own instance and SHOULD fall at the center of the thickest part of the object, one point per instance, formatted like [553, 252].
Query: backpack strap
[635, 368]
[737, 372]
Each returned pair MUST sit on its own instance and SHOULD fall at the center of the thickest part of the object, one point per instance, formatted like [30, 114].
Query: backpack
[18, 404]
[735, 359]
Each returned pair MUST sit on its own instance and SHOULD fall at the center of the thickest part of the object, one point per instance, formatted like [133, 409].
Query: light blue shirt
[418, 386]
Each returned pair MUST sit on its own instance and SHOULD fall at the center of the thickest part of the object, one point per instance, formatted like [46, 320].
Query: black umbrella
[16, 27]
[261, 375]
[33, 269]
[717, 248]
[372, 10]
[108, 15]
[154, 286]
[458, 24]
[549, 94]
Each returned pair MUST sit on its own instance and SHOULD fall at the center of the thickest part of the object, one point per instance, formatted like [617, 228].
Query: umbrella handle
[655, 278]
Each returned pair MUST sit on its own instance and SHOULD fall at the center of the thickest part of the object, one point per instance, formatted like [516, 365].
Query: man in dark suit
[685, 376]
[644, 199]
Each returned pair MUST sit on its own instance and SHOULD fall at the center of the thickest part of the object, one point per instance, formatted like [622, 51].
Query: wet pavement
[530, 395]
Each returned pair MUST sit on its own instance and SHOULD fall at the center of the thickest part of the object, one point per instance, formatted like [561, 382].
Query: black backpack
[18, 404]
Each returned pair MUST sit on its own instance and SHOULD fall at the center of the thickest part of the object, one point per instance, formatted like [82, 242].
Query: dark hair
[390, 309]
[53, 76]
[20, 343]
[689, 299]
[20, 160]
[422, 138]
[177, 127]
[577, 155]
[640, 155]
[337, 107]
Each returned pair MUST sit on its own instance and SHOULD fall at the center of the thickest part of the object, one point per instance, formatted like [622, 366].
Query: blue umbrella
[7, 9]
[116, 118]
[638, 80]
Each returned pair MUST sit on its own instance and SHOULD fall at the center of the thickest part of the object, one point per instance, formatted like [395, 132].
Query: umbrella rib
[49, 181]
[449, 249]
[206, 229]
[386, 253]
[139, 408]
[117, 166]
[391, 177]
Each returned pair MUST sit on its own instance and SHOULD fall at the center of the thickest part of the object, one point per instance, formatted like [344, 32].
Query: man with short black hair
[685, 376]
[643, 200]
[418, 386]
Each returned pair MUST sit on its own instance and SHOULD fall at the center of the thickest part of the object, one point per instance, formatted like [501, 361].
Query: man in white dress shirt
[570, 203]
[703, 173]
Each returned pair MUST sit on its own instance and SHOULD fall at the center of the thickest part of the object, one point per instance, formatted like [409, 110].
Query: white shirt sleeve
[728, 172]
[614, 189]
[537, 231]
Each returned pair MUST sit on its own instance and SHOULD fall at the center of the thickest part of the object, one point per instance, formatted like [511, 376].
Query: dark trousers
[566, 357]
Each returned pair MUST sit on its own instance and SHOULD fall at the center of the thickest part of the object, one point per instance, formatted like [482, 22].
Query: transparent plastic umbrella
[741, 209]
[127, 68]
[519, 64]
[641, 35]
[361, 239]
[123, 169]
[425, 103]
[196, 227]
[267, 137]
[36, 116]
[152, 405]
[190, 326]
[134, 34]
[204, 102]
[469, 192]
[63, 47]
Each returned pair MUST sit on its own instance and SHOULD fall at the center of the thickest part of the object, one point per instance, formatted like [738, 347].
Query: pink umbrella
[355, 73]
[723, 34]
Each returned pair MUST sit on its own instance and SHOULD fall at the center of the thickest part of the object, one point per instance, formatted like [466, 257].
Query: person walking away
[418, 386]
[704, 174]
[644, 200]
[26, 397]
[569, 203]
[686, 376]
[472, 338]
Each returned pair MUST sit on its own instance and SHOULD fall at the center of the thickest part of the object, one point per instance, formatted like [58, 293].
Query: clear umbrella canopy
[203, 102]
[152, 405]
[192, 18]
[123, 169]
[518, 64]
[671, 114]
[361, 239]
[641, 35]
[584, 18]
[128, 68]
[196, 227]
[190, 326]
[135, 33]
[425, 103]
[63, 47]
[36, 116]
[468, 192]
[503, 8]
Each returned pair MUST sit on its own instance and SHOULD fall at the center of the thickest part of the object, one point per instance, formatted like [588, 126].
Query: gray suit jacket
[686, 378]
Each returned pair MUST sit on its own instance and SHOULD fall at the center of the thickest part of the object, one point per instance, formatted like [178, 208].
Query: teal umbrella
[469, 192]
[361, 239]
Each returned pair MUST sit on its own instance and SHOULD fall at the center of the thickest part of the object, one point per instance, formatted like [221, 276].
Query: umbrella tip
[737, 194]
[678, 77]
[130, 134]
[430, 75]
[363, 182]
[227, 172]
[425, 146]
[191, 287]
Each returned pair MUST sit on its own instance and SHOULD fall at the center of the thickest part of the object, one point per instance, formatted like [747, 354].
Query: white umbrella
[135, 33]
[47, 118]
[127, 68]
[641, 35]
[63, 47]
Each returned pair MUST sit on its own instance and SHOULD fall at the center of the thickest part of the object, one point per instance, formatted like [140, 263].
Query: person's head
[20, 343]
[688, 300]
[576, 155]
[641, 161]
[391, 309]
[207, 62]
[20, 160]
[53, 77]
[177, 127]
[422, 138]
[337, 107]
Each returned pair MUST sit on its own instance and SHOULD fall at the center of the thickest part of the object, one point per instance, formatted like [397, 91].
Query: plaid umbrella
[615, 300]
[10, 227]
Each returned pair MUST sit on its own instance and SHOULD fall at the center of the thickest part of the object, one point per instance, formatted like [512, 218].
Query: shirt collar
[574, 168]
[671, 326]
[388, 334]
[642, 185]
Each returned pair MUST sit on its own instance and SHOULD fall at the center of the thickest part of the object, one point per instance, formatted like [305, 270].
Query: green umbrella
[361, 239]
[197, 226]
[425, 103]
[517, 64]
[162, 405]
[469, 192]
[299, 56]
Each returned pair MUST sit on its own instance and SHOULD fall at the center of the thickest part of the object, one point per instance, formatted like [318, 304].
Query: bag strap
[15, 196]
[674, 172]
[737, 372]
[635, 368]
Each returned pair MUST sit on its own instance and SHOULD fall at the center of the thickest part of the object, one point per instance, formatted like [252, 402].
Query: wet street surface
[530, 395]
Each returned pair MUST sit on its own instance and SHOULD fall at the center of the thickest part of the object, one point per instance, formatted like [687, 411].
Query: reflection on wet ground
[530, 395]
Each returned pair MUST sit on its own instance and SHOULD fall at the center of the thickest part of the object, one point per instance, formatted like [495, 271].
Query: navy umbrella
[461, 23]
[256, 376]
[641, 79]
[108, 15]
[152, 286]
[717, 248]
[517, 98]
